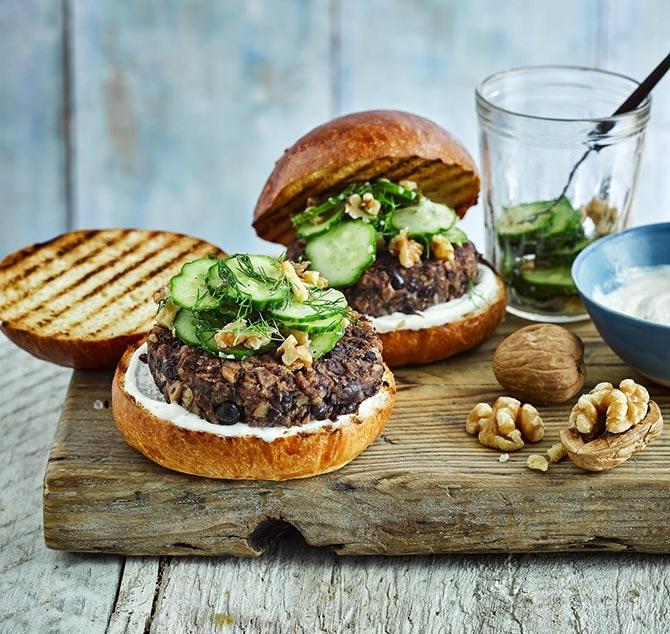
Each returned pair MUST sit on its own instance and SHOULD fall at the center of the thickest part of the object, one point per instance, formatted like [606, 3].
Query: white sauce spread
[642, 292]
[482, 294]
[141, 386]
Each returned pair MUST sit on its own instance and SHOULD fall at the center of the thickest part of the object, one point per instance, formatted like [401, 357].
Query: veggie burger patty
[261, 391]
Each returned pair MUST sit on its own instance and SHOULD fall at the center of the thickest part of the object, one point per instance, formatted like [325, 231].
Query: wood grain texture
[32, 149]
[183, 107]
[36, 585]
[293, 588]
[424, 487]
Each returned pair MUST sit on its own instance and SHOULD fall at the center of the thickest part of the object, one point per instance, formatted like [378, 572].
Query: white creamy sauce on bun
[141, 386]
[482, 294]
[643, 292]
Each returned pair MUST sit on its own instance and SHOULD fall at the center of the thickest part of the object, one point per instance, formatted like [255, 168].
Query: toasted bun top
[81, 298]
[364, 146]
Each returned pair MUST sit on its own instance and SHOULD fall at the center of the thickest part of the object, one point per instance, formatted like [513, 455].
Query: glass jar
[535, 125]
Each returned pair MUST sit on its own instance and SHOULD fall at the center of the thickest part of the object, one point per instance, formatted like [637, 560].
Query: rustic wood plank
[183, 107]
[32, 151]
[40, 590]
[427, 56]
[133, 609]
[425, 486]
[306, 590]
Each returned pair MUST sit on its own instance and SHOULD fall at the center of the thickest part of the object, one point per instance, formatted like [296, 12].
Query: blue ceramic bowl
[643, 345]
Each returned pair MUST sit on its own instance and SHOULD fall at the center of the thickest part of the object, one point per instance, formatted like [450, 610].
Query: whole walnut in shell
[541, 364]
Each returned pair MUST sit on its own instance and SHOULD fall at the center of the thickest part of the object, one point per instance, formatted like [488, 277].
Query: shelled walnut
[541, 364]
[506, 425]
[608, 425]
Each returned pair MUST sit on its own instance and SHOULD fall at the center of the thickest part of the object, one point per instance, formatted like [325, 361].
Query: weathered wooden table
[291, 588]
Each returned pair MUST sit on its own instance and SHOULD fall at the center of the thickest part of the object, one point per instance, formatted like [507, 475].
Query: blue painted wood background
[170, 113]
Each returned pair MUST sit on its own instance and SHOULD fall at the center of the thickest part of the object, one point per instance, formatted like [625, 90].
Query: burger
[371, 200]
[254, 369]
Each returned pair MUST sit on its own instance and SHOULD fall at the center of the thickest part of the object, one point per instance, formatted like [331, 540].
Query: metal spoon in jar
[633, 101]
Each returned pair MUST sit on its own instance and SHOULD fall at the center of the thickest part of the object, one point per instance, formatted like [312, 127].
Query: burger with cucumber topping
[371, 200]
[255, 369]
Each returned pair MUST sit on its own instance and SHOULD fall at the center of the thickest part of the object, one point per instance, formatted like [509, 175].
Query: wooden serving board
[424, 487]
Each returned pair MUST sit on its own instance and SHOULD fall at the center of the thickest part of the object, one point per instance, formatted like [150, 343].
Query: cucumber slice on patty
[256, 279]
[425, 219]
[185, 327]
[189, 288]
[343, 253]
[317, 325]
[321, 303]
[320, 224]
[322, 343]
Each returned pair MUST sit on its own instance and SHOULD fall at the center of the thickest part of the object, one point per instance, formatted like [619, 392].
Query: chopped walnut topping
[410, 186]
[167, 314]
[556, 452]
[537, 462]
[506, 425]
[315, 278]
[236, 334]
[441, 247]
[161, 295]
[298, 287]
[603, 216]
[358, 206]
[408, 251]
[294, 351]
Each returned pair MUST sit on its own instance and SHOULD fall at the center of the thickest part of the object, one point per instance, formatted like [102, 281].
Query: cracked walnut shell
[506, 425]
[541, 364]
[608, 425]
[610, 450]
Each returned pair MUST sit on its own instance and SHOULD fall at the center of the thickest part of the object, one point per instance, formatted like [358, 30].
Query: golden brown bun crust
[82, 298]
[409, 347]
[363, 146]
[242, 457]
[71, 353]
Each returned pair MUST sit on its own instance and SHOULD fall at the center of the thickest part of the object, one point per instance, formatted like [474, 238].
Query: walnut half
[506, 425]
[608, 425]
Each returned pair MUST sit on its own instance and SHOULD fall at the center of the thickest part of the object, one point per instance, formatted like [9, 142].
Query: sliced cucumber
[317, 325]
[323, 342]
[456, 236]
[424, 219]
[542, 283]
[544, 219]
[321, 303]
[185, 327]
[317, 212]
[189, 288]
[556, 255]
[256, 279]
[320, 224]
[343, 253]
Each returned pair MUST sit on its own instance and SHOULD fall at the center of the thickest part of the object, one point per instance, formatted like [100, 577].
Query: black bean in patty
[260, 390]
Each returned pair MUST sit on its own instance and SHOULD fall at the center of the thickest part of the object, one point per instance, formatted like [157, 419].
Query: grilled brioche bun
[244, 457]
[410, 347]
[359, 147]
[80, 299]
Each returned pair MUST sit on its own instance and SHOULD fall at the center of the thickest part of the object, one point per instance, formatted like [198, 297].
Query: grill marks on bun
[87, 288]
[361, 147]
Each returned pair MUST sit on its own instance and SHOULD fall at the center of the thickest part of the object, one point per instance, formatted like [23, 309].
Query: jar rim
[643, 109]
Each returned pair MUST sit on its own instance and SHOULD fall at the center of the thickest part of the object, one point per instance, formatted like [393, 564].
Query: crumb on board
[98, 404]
[537, 462]
[503, 457]
[222, 619]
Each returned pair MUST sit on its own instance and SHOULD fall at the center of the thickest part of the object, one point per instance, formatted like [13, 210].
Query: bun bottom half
[206, 454]
[434, 343]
